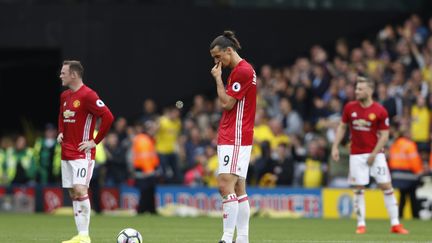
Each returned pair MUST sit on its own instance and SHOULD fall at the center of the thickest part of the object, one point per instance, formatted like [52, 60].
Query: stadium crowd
[299, 107]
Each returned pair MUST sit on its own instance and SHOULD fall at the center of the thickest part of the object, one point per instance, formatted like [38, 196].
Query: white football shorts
[359, 171]
[76, 172]
[234, 159]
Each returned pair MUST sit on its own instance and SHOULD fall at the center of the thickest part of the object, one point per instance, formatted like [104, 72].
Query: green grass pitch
[53, 229]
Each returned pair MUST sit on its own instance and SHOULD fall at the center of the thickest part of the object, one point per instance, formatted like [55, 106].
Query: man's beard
[363, 99]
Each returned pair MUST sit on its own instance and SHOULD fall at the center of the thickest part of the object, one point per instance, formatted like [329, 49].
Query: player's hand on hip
[217, 70]
[60, 138]
[371, 159]
[86, 145]
[335, 154]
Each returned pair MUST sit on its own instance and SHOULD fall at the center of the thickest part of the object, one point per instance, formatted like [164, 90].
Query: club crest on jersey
[236, 86]
[100, 103]
[354, 114]
[76, 103]
[64, 104]
[372, 116]
[68, 114]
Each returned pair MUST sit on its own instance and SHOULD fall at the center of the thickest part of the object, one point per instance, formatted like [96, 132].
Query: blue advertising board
[306, 202]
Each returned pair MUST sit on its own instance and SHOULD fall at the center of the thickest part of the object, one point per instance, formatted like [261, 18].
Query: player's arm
[60, 122]
[340, 133]
[383, 136]
[227, 102]
[98, 109]
[107, 119]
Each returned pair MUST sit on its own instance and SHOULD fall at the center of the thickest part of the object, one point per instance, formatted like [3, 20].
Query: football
[129, 235]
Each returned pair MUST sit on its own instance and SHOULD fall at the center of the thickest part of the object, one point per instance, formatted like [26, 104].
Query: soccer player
[369, 126]
[238, 99]
[80, 106]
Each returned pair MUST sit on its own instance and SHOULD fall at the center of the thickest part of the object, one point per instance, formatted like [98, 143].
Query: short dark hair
[227, 39]
[75, 66]
[367, 81]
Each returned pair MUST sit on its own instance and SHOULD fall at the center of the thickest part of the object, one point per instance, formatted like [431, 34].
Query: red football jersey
[236, 125]
[364, 125]
[79, 111]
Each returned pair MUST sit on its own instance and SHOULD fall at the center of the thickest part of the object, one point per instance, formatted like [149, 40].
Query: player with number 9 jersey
[235, 135]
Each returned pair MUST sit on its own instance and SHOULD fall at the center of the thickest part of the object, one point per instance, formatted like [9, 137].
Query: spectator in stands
[116, 166]
[3, 175]
[278, 135]
[99, 173]
[393, 104]
[301, 101]
[426, 65]
[194, 175]
[314, 173]
[149, 111]
[338, 171]
[320, 81]
[211, 166]
[292, 123]
[283, 168]
[6, 143]
[266, 73]
[262, 132]
[405, 56]
[210, 135]
[318, 55]
[327, 125]
[145, 162]
[169, 128]
[263, 175]
[420, 32]
[199, 112]
[47, 157]
[405, 165]
[420, 125]
[120, 128]
[193, 145]
[20, 165]
[319, 111]
[342, 49]
[216, 113]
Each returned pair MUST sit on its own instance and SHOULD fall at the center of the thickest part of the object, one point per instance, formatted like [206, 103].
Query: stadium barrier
[186, 201]
[287, 202]
[338, 203]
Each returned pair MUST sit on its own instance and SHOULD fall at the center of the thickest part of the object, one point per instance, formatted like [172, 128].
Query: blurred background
[144, 56]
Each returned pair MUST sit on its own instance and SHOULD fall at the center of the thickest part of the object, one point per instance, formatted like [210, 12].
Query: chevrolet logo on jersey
[68, 114]
[361, 125]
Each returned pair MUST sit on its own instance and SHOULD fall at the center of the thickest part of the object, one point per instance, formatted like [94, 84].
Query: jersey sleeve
[60, 116]
[345, 114]
[97, 107]
[241, 81]
[383, 120]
